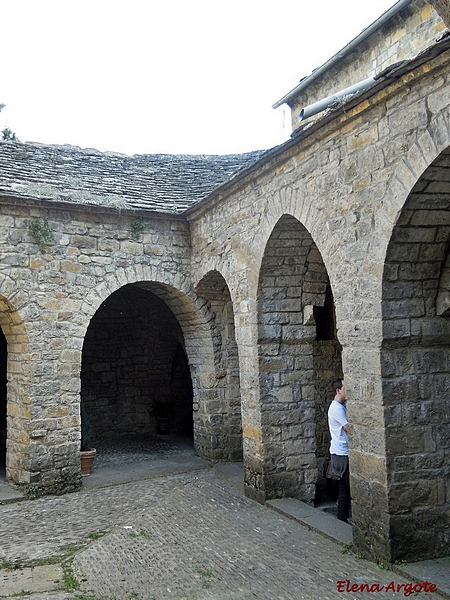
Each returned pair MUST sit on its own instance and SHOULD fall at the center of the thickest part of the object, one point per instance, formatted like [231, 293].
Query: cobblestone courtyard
[190, 536]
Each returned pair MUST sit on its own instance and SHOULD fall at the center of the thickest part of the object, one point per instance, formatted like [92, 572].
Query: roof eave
[307, 81]
[384, 79]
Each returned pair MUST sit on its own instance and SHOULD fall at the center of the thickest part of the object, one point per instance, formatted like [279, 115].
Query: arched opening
[416, 369]
[3, 403]
[214, 289]
[299, 356]
[14, 394]
[135, 374]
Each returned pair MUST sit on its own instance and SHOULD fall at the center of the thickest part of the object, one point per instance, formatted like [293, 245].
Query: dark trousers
[344, 495]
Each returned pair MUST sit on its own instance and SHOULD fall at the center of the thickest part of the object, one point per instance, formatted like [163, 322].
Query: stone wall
[412, 30]
[442, 7]
[327, 257]
[50, 295]
[345, 181]
[415, 359]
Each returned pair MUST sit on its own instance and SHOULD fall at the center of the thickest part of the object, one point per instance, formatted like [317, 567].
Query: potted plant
[87, 452]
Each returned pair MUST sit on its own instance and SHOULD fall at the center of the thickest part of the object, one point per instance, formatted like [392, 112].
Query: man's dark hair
[337, 384]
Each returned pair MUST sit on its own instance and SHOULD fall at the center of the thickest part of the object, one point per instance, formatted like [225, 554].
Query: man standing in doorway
[338, 424]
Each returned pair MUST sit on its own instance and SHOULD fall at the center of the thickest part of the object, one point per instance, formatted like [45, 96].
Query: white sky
[166, 76]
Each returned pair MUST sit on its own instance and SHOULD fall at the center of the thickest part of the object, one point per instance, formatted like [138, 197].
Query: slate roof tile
[155, 182]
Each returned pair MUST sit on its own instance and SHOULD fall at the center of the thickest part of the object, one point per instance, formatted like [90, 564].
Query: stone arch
[18, 374]
[427, 148]
[215, 290]
[290, 200]
[299, 356]
[415, 359]
[135, 380]
[196, 324]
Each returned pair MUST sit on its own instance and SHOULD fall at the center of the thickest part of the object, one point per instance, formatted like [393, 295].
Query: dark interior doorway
[135, 370]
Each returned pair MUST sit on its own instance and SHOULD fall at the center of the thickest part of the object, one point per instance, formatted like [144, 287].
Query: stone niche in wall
[133, 359]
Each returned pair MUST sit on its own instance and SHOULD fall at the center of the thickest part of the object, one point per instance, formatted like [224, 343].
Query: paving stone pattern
[148, 448]
[189, 536]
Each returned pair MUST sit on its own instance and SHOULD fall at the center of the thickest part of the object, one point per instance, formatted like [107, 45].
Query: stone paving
[141, 448]
[189, 536]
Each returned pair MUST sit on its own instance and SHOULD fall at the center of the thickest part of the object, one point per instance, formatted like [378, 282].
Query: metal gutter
[317, 107]
[386, 16]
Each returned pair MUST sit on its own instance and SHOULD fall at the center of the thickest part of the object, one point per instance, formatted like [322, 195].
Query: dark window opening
[325, 318]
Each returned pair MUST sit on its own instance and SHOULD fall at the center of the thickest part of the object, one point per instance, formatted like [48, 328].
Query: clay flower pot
[87, 460]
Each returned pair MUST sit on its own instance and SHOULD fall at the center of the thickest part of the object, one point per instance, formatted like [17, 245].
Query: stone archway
[415, 363]
[214, 289]
[15, 390]
[134, 367]
[299, 356]
[195, 335]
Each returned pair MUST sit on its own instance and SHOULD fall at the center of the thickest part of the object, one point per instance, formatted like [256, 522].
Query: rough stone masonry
[237, 288]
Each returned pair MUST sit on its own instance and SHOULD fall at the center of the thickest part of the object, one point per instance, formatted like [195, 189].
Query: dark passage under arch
[134, 367]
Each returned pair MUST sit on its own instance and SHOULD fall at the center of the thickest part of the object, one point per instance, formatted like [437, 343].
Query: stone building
[238, 287]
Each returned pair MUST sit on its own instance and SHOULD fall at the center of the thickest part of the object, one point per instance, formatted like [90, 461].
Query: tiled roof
[155, 182]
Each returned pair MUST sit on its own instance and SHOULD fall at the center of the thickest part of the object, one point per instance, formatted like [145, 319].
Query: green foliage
[65, 559]
[206, 575]
[8, 135]
[70, 583]
[6, 564]
[144, 534]
[40, 230]
[96, 535]
[347, 548]
[86, 429]
[137, 227]
[400, 563]
[32, 492]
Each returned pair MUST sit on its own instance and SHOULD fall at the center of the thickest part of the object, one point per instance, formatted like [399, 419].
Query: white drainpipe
[323, 104]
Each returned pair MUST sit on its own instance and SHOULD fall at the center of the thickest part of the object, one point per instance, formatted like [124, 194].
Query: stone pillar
[247, 342]
[210, 431]
[214, 289]
[54, 426]
[367, 448]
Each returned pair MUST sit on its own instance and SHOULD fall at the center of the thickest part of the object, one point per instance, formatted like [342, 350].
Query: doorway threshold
[314, 519]
[8, 494]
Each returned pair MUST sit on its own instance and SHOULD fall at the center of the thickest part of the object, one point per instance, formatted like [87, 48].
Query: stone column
[367, 448]
[247, 341]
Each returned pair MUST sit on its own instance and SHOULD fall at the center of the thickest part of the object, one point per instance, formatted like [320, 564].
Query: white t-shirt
[337, 418]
